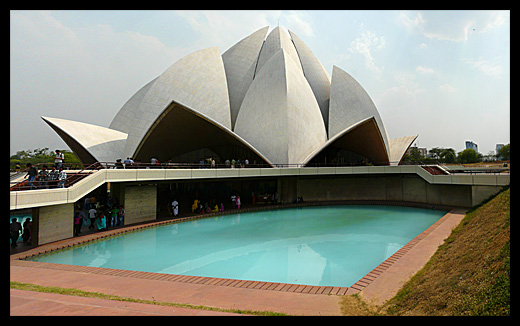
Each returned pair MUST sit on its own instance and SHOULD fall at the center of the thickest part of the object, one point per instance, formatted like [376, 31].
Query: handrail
[71, 179]
[86, 170]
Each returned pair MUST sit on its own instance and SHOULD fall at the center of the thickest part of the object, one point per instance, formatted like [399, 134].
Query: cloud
[299, 22]
[224, 27]
[448, 25]
[424, 70]
[489, 68]
[365, 45]
[85, 73]
[447, 88]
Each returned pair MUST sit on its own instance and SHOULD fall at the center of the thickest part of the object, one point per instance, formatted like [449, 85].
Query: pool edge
[19, 260]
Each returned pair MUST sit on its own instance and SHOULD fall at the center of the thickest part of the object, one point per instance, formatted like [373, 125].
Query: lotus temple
[267, 98]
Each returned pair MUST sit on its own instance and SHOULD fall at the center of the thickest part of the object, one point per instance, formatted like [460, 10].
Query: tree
[448, 155]
[436, 152]
[415, 154]
[468, 156]
[504, 153]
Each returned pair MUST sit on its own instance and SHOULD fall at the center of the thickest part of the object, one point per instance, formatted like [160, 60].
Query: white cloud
[395, 105]
[489, 68]
[424, 70]
[84, 74]
[298, 22]
[447, 88]
[224, 28]
[365, 45]
[449, 25]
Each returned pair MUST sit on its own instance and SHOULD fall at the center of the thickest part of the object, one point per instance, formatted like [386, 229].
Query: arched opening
[359, 145]
[181, 135]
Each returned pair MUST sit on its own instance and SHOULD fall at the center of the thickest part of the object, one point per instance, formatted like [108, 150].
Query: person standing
[27, 231]
[233, 201]
[31, 174]
[92, 216]
[175, 207]
[58, 159]
[77, 223]
[52, 179]
[42, 177]
[114, 212]
[121, 215]
[15, 229]
[238, 202]
[62, 176]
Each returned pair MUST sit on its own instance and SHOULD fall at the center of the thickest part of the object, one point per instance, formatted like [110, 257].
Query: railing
[74, 176]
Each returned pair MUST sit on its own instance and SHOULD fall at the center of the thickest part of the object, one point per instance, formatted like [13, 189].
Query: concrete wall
[480, 193]
[55, 223]
[140, 203]
[401, 187]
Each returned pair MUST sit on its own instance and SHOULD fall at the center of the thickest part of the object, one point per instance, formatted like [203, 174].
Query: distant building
[497, 148]
[472, 145]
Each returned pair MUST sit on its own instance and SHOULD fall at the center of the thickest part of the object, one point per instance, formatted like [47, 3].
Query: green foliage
[468, 156]
[438, 154]
[38, 156]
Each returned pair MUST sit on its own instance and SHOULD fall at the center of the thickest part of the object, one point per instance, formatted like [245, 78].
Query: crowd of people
[199, 208]
[98, 215]
[46, 179]
[210, 162]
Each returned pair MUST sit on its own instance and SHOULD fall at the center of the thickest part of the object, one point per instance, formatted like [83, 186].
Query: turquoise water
[327, 246]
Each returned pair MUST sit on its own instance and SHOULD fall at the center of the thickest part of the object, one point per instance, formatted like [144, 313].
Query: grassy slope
[468, 275]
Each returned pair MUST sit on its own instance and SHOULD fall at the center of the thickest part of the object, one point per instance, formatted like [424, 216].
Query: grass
[81, 293]
[469, 275]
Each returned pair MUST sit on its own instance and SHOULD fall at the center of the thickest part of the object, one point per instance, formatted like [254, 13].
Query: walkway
[24, 303]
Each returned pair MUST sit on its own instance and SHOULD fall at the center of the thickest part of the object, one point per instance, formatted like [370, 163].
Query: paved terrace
[46, 197]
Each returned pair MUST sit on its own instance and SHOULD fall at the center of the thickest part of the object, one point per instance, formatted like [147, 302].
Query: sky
[444, 75]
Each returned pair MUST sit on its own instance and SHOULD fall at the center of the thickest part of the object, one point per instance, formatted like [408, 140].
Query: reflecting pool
[323, 245]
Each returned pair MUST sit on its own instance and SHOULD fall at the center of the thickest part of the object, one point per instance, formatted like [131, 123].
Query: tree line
[448, 155]
[437, 154]
[39, 155]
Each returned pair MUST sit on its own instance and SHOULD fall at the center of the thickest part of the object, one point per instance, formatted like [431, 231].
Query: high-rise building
[472, 145]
